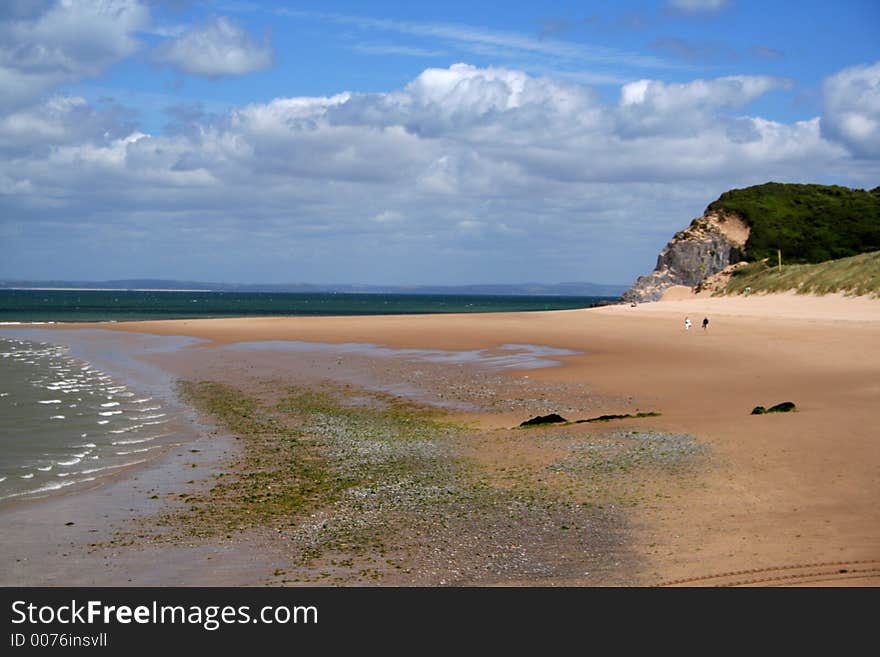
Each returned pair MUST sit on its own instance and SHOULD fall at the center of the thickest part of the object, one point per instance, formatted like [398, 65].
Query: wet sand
[780, 499]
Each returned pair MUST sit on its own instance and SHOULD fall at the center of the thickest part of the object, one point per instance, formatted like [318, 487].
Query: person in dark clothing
[705, 323]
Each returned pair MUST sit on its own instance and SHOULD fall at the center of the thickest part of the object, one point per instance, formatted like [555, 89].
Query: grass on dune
[857, 275]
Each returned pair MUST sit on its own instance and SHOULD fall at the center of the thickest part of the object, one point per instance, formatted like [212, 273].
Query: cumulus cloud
[217, 48]
[730, 91]
[473, 104]
[852, 109]
[462, 170]
[652, 106]
[60, 120]
[44, 44]
[465, 130]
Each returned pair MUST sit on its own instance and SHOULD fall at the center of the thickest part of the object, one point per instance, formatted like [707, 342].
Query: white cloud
[462, 130]
[482, 105]
[461, 169]
[217, 48]
[58, 120]
[852, 109]
[43, 44]
[732, 91]
[649, 106]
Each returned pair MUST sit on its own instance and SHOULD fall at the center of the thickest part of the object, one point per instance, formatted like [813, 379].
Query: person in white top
[687, 324]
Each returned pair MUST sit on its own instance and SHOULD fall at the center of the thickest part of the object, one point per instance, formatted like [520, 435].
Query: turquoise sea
[122, 305]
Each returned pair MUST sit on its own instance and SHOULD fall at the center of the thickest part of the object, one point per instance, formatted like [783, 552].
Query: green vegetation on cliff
[857, 275]
[809, 223]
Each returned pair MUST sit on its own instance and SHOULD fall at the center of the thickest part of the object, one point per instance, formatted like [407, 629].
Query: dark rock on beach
[784, 407]
[616, 416]
[553, 418]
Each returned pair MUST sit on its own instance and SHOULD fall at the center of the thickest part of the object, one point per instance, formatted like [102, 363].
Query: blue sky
[405, 143]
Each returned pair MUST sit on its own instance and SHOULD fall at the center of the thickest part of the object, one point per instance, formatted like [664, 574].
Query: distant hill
[523, 289]
[808, 223]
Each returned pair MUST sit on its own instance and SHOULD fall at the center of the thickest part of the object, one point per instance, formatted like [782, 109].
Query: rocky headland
[799, 224]
[712, 243]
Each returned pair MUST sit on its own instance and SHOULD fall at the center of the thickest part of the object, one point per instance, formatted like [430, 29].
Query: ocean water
[66, 422]
[121, 305]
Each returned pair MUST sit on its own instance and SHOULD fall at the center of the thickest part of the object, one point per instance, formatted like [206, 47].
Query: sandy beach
[701, 494]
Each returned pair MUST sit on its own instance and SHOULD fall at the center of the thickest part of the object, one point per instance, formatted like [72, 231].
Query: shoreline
[123, 359]
[756, 493]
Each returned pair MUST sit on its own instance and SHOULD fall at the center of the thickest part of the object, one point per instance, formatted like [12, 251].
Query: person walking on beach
[705, 323]
[687, 323]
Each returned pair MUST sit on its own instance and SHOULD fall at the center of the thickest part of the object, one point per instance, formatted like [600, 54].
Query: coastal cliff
[710, 244]
[804, 224]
